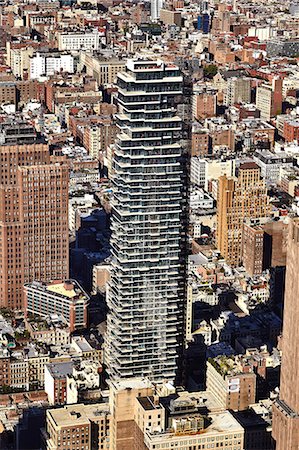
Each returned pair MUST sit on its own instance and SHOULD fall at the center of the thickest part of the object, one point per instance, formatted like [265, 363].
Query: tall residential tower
[147, 289]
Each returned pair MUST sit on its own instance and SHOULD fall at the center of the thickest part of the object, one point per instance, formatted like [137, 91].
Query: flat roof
[60, 289]
[248, 165]
[131, 383]
[61, 369]
[148, 403]
[79, 414]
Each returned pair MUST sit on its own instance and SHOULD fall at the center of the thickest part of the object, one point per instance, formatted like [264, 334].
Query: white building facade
[79, 40]
[47, 64]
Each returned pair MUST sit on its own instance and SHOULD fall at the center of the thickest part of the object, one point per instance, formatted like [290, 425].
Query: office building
[269, 99]
[294, 8]
[223, 429]
[46, 64]
[286, 408]
[103, 69]
[253, 248]
[66, 299]
[204, 170]
[75, 40]
[204, 102]
[78, 426]
[147, 289]
[238, 199]
[282, 47]
[122, 401]
[271, 164]
[238, 90]
[229, 385]
[33, 218]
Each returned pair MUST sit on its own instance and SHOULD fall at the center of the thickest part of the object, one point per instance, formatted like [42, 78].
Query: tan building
[100, 277]
[286, 408]
[171, 17]
[238, 199]
[33, 219]
[229, 385]
[99, 136]
[36, 368]
[104, 70]
[269, 99]
[19, 58]
[149, 415]
[122, 407]
[78, 426]
[190, 431]
[238, 90]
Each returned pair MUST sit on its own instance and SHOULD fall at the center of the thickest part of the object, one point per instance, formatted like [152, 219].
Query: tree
[210, 70]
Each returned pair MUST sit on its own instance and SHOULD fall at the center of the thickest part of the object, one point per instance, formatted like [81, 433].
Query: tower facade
[238, 199]
[156, 6]
[33, 219]
[147, 288]
[286, 409]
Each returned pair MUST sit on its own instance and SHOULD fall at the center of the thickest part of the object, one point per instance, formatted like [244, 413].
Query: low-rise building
[271, 164]
[46, 64]
[78, 426]
[78, 39]
[191, 430]
[51, 330]
[199, 199]
[230, 384]
[56, 381]
[66, 298]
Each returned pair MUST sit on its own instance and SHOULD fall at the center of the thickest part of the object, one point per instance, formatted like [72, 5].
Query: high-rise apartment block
[147, 289]
[33, 219]
[286, 408]
[239, 199]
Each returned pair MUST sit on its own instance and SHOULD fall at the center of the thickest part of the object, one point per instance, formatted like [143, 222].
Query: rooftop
[149, 403]
[70, 289]
[249, 165]
[60, 370]
[74, 415]
[130, 383]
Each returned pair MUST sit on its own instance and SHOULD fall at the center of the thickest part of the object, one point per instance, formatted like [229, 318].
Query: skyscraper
[238, 199]
[33, 219]
[286, 408]
[147, 289]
